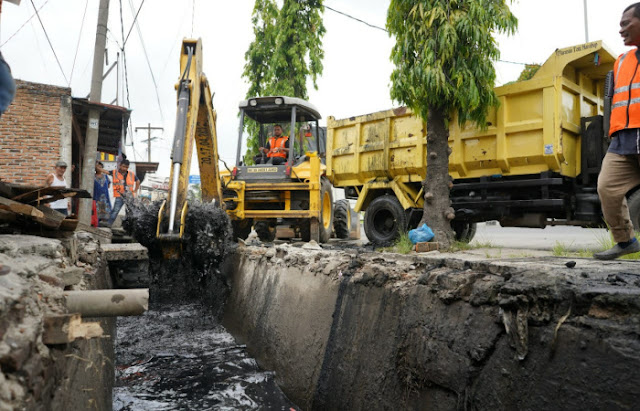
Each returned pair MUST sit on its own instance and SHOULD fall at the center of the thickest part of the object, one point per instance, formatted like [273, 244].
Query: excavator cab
[280, 190]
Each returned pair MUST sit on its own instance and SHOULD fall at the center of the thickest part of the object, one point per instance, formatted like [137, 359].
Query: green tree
[286, 51]
[443, 67]
[258, 60]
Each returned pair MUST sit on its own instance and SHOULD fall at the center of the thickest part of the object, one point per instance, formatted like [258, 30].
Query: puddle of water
[178, 357]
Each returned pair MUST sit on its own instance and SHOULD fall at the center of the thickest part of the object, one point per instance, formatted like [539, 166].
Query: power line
[146, 56]
[50, 45]
[24, 24]
[386, 31]
[135, 19]
[78, 45]
[355, 18]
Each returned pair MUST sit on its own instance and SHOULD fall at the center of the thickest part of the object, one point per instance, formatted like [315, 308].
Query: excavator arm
[195, 122]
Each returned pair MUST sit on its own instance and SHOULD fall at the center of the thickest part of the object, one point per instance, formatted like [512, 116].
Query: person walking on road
[125, 183]
[56, 179]
[621, 165]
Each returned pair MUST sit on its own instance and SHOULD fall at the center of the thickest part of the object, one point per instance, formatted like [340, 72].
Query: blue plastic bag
[421, 234]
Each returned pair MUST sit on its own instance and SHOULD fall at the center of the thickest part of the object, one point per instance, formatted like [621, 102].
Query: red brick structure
[35, 132]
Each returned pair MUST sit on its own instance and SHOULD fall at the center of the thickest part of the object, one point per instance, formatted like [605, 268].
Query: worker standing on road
[125, 183]
[621, 165]
[277, 149]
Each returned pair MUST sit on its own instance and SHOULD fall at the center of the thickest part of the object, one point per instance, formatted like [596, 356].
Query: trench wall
[34, 375]
[345, 330]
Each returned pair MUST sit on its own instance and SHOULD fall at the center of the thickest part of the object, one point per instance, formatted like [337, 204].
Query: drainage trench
[178, 355]
[349, 329]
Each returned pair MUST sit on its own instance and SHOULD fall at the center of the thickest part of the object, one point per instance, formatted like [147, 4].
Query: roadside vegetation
[605, 242]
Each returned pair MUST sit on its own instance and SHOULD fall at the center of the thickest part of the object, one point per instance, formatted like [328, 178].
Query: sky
[356, 72]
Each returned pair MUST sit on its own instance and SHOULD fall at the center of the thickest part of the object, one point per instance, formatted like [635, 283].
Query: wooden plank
[69, 224]
[19, 208]
[51, 218]
[65, 328]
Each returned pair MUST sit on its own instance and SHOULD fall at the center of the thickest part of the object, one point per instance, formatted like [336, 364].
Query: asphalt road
[573, 238]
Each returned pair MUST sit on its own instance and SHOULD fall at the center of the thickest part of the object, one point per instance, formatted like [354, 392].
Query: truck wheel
[266, 233]
[326, 214]
[241, 229]
[342, 218]
[384, 220]
[464, 231]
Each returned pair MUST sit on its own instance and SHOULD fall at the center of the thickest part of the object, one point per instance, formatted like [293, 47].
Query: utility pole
[586, 23]
[149, 128]
[93, 122]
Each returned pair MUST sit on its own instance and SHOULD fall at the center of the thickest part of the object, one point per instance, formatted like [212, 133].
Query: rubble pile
[34, 273]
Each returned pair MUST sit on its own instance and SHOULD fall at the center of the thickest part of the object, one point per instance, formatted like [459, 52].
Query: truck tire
[464, 231]
[266, 233]
[326, 214]
[241, 229]
[384, 220]
[342, 218]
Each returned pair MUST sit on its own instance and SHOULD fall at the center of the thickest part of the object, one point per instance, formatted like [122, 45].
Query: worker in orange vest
[125, 183]
[620, 170]
[277, 149]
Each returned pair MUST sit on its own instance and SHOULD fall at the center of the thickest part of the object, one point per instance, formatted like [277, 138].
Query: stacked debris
[27, 207]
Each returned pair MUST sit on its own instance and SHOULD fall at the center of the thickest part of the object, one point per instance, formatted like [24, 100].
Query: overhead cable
[356, 19]
[23, 24]
[135, 19]
[86, 3]
[50, 45]
[386, 31]
[146, 56]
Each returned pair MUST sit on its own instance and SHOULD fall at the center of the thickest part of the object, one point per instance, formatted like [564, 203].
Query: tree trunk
[437, 205]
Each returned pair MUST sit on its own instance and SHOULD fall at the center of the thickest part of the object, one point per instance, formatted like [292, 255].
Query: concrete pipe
[108, 303]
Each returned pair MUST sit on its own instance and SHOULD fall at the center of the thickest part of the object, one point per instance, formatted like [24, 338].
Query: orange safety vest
[119, 182]
[277, 143]
[625, 105]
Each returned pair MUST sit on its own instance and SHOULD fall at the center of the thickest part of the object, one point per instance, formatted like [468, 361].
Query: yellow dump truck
[536, 163]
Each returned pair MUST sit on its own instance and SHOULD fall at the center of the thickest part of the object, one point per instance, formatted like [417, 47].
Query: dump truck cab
[264, 193]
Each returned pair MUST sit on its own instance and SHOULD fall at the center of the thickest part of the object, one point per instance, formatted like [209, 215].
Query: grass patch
[462, 246]
[561, 249]
[402, 245]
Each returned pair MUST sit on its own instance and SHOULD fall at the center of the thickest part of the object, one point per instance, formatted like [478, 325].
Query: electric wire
[146, 56]
[355, 18]
[49, 40]
[135, 19]
[24, 24]
[386, 31]
[75, 56]
[126, 78]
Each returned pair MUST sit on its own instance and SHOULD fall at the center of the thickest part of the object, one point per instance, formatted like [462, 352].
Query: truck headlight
[253, 103]
[279, 101]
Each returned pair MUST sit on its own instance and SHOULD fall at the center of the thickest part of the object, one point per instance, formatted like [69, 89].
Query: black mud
[178, 357]
[199, 275]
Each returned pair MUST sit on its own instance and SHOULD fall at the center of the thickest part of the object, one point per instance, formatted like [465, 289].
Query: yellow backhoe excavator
[294, 192]
[195, 121]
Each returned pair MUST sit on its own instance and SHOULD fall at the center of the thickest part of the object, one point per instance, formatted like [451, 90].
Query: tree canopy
[286, 52]
[444, 54]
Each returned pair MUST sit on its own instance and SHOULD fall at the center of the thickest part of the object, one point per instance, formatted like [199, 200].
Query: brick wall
[30, 133]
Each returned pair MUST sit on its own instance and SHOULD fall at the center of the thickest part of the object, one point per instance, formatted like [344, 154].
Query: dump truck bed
[535, 129]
